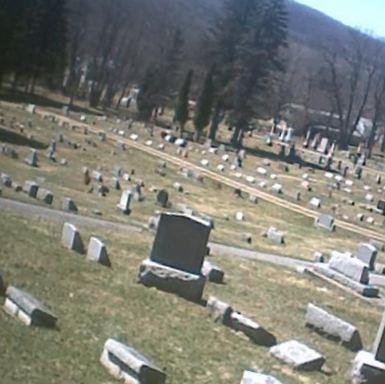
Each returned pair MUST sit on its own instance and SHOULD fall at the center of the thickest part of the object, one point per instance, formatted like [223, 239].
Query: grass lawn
[93, 303]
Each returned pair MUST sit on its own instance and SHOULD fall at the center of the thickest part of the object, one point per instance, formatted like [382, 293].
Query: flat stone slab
[97, 251]
[298, 356]
[367, 370]
[212, 273]
[250, 377]
[181, 283]
[28, 309]
[71, 238]
[362, 289]
[334, 327]
[125, 363]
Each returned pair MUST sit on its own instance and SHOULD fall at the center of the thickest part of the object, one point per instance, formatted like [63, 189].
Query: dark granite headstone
[162, 198]
[181, 242]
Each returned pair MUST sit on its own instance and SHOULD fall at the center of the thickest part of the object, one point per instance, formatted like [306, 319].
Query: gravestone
[212, 272]
[250, 377]
[31, 108]
[6, 180]
[125, 363]
[69, 205]
[45, 195]
[275, 236]
[381, 206]
[298, 356]
[125, 201]
[31, 158]
[325, 222]
[367, 253]
[97, 251]
[315, 202]
[349, 266]
[28, 309]
[219, 310]
[71, 238]
[181, 242]
[177, 256]
[30, 188]
[115, 183]
[369, 367]
[333, 327]
[323, 146]
[162, 198]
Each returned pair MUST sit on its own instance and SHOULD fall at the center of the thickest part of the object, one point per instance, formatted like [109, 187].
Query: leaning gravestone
[250, 377]
[97, 251]
[28, 309]
[325, 222]
[333, 327]
[71, 238]
[69, 205]
[369, 367]
[125, 363]
[298, 355]
[177, 256]
[125, 201]
[367, 253]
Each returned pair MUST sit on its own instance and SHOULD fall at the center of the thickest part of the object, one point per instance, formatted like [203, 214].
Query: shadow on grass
[39, 100]
[18, 139]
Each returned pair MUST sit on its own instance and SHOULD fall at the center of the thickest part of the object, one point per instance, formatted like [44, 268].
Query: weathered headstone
[177, 256]
[31, 188]
[125, 363]
[69, 205]
[71, 238]
[250, 377]
[125, 201]
[325, 222]
[367, 253]
[31, 158]
[28, 309]
[333, 326]
[97, 251]
[298, 355]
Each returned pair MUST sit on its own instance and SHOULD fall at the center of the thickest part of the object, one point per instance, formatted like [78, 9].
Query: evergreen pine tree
[147, 96]
[181, 109]
[204, 105]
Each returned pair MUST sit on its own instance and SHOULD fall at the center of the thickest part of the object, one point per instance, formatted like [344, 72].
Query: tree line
[245, 67]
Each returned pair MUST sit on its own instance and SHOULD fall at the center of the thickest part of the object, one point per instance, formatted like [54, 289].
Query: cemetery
[165, 280]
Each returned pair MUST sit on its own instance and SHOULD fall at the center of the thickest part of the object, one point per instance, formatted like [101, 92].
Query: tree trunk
[214, 124]
[383, 144]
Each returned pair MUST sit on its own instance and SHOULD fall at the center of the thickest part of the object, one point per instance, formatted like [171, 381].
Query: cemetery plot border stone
[97, 251]
[298, 355]
[184, 284]
[250, 377]
[71, 238]
[28, 309]
[334, 327]
[125, 363]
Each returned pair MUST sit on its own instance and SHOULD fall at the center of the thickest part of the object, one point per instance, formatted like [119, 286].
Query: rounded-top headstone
[162, 198]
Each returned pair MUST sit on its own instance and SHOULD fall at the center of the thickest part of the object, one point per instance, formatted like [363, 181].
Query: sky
[368, 15]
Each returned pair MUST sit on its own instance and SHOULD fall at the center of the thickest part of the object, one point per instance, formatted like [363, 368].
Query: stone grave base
[184, 284]
[362, 289]
[367, 370]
